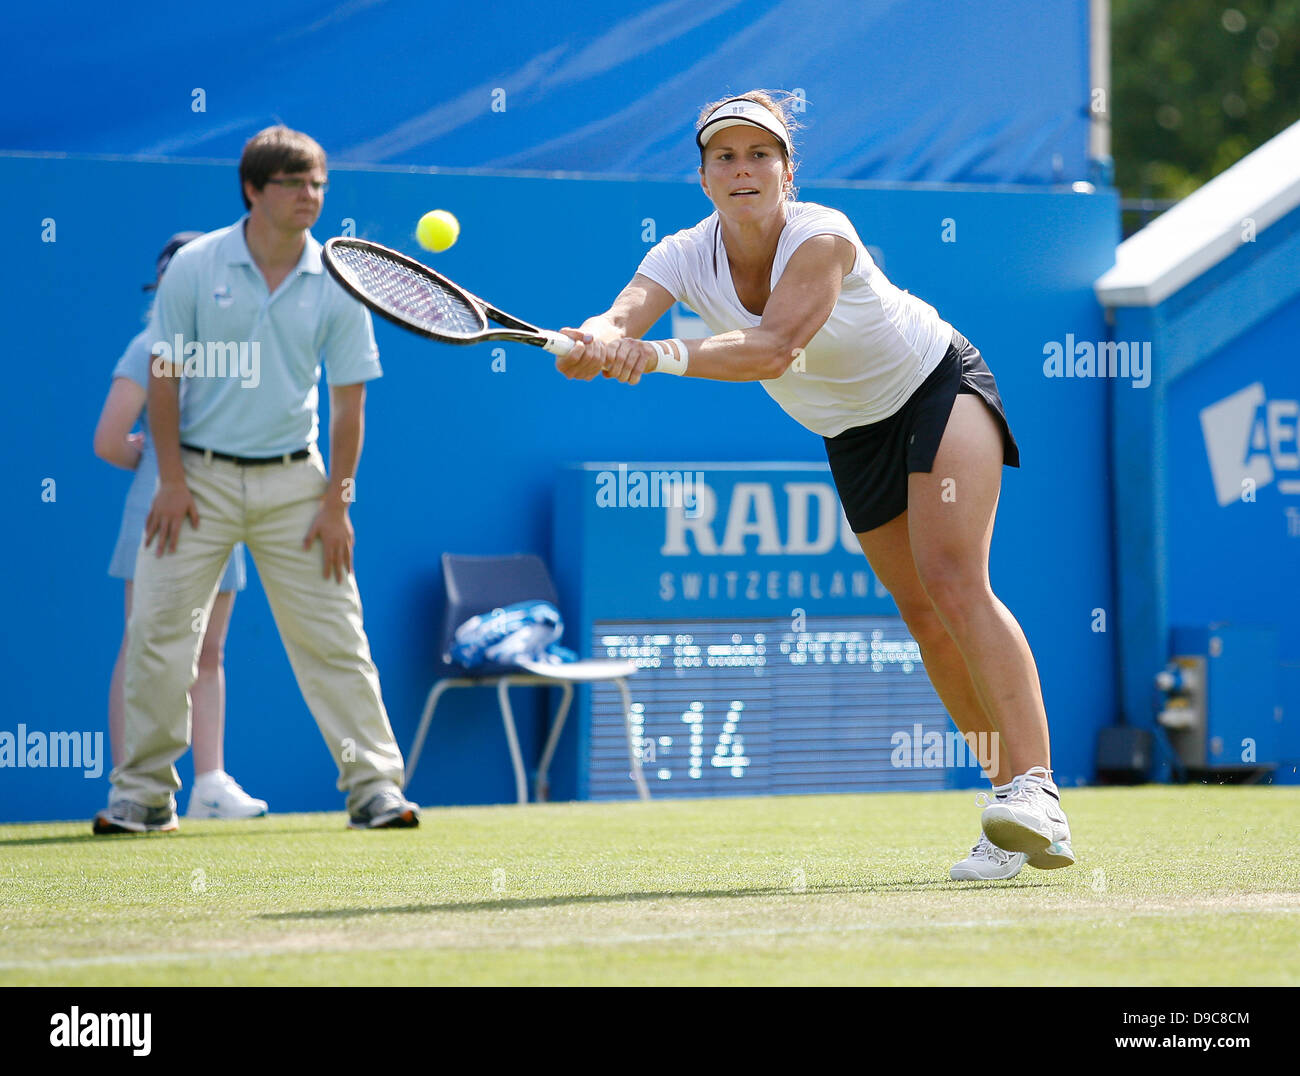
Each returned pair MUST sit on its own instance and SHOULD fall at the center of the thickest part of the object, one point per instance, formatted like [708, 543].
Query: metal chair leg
[552, 741]
[512, 737]
[426, 719]
[516, 756]
[638, 777]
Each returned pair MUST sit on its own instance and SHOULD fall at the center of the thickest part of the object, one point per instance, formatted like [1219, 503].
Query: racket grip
[557, 344]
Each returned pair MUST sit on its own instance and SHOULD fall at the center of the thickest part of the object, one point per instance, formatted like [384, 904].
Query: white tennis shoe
[218, 795]
[987, 862]
[1030, 820]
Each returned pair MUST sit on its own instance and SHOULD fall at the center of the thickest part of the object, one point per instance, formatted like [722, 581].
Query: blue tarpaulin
[920, 91]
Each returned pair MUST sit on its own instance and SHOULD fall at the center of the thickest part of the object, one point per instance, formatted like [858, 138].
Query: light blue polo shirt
[252, 361]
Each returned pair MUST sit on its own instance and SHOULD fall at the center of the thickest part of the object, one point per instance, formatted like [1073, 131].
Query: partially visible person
[215, 793]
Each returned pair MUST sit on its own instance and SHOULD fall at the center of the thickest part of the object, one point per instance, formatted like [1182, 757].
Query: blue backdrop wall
[461, 458]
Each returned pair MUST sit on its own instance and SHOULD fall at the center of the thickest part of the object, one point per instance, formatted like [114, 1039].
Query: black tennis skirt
[871, 463]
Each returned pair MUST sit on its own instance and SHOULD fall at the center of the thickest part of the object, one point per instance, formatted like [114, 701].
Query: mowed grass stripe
[510, 939]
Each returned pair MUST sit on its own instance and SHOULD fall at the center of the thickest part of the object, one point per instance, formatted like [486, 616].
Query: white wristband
[673, 357]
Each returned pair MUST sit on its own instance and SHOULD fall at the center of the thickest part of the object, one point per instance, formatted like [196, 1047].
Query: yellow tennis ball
[437, 230]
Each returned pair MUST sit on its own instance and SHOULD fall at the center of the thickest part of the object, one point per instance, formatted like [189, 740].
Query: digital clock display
[755, 707]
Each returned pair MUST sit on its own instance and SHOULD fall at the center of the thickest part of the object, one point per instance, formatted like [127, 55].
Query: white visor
[740, 111]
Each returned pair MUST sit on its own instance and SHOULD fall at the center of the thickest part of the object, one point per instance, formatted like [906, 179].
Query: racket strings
[409, 293]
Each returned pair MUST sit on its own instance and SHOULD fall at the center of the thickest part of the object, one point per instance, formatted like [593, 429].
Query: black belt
[249, 461]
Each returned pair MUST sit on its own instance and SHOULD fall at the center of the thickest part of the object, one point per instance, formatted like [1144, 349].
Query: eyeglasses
[318, 186]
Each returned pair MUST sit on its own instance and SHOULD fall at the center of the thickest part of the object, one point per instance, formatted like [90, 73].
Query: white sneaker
[987, 862]
[218, 795]
[1030, 820]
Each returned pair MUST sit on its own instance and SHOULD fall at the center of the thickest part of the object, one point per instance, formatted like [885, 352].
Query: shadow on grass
[928, 885]
[113, 838]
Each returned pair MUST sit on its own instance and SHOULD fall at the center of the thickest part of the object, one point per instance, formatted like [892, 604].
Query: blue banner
[990, 92]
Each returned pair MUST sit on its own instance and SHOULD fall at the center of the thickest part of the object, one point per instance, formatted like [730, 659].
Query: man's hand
[171, 504]
[587, 358]
[333, 527]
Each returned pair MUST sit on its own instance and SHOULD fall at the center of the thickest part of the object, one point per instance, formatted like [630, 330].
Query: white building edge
[1207, 226]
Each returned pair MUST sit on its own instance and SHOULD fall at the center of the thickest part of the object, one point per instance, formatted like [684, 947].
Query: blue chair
[477, 585]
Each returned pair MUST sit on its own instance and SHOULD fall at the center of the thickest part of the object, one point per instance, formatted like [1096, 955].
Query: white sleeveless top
[875, 349]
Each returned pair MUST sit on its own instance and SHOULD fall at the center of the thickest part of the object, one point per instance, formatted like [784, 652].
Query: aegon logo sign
[814, 522]
[1251, 440]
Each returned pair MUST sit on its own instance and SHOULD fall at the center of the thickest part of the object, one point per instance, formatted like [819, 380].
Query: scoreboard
[753, 708]
[770, 659]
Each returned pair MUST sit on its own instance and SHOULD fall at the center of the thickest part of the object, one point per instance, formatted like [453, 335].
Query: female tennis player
[913, 424]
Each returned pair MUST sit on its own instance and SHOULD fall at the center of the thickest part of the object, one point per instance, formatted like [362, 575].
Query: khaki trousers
[269, 508]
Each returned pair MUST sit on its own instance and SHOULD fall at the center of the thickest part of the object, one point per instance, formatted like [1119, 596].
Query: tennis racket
[414, 297]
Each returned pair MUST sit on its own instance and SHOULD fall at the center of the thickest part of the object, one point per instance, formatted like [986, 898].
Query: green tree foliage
[1196, 85]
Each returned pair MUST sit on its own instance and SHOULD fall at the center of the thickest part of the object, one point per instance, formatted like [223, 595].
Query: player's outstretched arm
[795, 312]
[637, 307]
